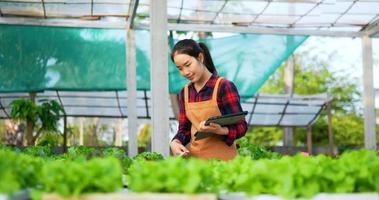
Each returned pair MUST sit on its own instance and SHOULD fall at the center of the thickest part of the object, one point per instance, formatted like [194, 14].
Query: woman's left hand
[213, 128]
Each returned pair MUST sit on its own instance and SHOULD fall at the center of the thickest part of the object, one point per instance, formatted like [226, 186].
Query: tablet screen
[225, 120]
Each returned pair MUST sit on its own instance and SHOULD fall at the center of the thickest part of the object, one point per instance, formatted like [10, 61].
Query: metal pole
[159, 76]
[289, 73]
[368, 94]
[132, 94]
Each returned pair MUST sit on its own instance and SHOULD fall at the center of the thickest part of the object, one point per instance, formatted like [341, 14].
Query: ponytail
[192, 48]
[208, 62]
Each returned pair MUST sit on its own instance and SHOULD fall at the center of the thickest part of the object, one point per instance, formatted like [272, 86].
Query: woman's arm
[229, 102]
[184, 131]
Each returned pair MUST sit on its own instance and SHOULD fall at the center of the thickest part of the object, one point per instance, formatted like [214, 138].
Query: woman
[205, 96]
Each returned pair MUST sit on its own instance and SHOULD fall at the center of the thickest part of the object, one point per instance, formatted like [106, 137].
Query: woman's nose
[185, 72]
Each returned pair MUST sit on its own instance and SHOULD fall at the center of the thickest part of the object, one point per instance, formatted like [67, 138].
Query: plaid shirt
[228, 101]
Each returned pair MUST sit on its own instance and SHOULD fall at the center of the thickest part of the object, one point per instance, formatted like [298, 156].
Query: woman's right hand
[178, 149]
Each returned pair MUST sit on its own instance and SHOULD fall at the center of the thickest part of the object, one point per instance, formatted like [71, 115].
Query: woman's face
[190, 67]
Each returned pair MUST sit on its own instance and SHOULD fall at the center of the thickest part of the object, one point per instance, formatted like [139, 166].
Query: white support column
[159, 76]
[289, 83]
[368, 93]
[132, 93]
[289, 80]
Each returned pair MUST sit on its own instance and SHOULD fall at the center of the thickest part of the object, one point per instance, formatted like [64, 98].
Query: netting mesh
[34, 58]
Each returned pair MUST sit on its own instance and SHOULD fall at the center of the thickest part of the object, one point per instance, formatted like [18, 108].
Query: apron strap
[215, 89]
[186, 94]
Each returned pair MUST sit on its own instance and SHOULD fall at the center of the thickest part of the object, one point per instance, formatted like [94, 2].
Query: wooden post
[81, 132]
[309, 140]
[118, 133]
[330, 129]
[30, 124]
[64, 133]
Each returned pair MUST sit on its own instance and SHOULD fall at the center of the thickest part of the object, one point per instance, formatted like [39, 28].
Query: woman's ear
[201, 57]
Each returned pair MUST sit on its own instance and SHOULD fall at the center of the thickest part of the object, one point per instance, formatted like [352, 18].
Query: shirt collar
[210, 83]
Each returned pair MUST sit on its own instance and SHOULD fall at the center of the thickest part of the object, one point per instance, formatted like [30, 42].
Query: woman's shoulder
[227, 87]
[225, 82]
[181, 92]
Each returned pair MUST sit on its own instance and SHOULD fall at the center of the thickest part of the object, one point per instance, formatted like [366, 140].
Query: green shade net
[34, 58]
[246, 59]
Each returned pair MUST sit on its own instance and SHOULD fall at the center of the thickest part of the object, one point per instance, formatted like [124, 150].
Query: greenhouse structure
[111, 59]
[274, 27]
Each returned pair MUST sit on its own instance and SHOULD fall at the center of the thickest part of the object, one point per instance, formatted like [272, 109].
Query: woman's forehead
[182, 58]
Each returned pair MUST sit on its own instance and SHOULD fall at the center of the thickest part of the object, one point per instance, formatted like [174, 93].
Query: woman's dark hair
[192, 48]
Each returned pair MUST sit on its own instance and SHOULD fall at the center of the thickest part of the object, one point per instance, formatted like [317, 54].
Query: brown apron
[212, 147]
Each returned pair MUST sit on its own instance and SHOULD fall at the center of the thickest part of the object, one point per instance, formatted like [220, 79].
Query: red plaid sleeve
[184, 130]
[229, 102]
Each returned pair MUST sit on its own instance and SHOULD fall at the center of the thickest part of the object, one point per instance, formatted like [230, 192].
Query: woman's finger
[202, 124]
[214, 125]
[184, 149]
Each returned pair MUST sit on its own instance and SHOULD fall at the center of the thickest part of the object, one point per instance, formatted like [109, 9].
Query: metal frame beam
[259, 30]
[3, 108]
[176, 27]
[119, 104]
[62, 22]
[372, 29]
[132, 13]
[91, 7]
[253, 109]
[43, 8]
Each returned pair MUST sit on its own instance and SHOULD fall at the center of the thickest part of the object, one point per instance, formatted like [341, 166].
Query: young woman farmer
[205, 96]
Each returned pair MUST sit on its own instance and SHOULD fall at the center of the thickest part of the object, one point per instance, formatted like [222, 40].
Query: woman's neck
[203, 80]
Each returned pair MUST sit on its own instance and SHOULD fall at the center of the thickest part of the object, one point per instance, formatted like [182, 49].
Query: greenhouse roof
[264, 110]
[301, 17]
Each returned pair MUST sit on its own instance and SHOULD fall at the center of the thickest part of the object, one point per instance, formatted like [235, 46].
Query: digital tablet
[222, 121]
[201, 135]
[225, 120]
